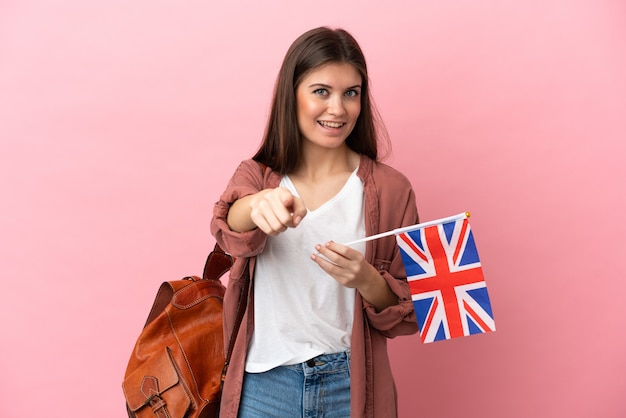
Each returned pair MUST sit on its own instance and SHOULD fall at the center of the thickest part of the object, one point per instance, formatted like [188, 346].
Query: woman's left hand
[346, 265]
[350, 268]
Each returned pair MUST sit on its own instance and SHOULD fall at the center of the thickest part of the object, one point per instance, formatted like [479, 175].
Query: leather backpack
[178, 364]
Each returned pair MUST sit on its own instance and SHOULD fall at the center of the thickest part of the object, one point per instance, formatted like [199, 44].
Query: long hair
[281, 145]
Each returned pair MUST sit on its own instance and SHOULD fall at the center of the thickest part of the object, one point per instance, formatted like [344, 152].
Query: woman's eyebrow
[320, 85]
[356, 86]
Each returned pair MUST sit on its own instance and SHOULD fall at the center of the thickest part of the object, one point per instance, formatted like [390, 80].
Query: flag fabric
[446, 280]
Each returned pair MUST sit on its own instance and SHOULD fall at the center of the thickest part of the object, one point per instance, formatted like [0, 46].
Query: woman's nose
[336, 105]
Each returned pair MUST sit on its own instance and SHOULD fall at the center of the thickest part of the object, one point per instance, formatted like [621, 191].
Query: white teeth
[331, 124]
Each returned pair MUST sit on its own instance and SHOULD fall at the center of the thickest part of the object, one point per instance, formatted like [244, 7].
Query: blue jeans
[318, 388]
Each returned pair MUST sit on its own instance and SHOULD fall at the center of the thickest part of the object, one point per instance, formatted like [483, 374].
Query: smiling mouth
[331, 124]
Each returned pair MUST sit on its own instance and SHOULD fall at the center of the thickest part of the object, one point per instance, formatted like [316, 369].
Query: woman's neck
[319, 163]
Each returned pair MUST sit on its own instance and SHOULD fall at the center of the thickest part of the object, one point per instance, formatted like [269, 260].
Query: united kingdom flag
[446, 280]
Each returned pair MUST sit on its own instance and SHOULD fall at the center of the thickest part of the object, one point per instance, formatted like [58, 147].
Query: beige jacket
[389, 204]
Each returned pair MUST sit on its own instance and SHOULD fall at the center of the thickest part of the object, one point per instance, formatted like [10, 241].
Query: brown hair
[280, 148]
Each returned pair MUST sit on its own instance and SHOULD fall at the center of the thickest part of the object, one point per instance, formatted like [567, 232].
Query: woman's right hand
[271, 210]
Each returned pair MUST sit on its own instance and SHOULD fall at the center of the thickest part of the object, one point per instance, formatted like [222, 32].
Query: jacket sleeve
[397, 208]
[247, 180]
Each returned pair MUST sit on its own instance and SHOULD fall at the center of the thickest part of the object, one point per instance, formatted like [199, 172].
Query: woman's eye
[352, 93]
[321, 92]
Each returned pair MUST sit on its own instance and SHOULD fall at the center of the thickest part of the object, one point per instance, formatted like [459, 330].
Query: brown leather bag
[177, 367]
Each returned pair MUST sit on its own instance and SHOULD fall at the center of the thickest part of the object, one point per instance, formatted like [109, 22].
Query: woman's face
[328, 104]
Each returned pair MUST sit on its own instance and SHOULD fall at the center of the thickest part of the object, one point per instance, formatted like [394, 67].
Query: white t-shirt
[299, 310]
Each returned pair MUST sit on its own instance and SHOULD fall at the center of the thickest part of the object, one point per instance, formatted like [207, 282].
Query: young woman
[312, 342]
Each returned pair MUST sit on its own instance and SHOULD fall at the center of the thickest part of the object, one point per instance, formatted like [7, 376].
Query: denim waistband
[324, 363]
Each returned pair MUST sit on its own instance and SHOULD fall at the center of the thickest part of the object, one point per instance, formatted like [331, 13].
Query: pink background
[120, 123]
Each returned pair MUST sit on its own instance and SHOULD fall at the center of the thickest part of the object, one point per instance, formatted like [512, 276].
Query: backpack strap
[241, 308]
[217, 263]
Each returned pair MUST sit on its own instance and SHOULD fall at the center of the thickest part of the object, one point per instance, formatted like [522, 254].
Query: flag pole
[463, 215]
